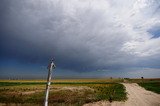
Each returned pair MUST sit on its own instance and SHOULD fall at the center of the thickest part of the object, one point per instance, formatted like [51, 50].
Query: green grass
[115, 92]
[43, 83]
[139, 80]
[151, 86]
[20, 83]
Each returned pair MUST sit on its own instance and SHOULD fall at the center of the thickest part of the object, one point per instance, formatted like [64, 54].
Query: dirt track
[137, 96]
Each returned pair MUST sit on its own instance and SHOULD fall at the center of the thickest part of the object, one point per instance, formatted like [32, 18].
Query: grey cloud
[81, 35]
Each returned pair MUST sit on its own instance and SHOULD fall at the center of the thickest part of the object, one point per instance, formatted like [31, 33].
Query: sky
[86, 38]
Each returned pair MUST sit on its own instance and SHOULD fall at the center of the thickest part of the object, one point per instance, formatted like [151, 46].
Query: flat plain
[65, 92]
[75, 92]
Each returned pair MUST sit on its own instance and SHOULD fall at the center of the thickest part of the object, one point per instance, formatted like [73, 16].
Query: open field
[78, 92]
[140, 80]
[63, 92]
[69, 80]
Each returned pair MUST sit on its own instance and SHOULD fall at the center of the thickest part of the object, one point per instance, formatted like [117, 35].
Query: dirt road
[137, 96]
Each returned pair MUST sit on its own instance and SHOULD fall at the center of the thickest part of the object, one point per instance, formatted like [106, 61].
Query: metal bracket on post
[50, 67]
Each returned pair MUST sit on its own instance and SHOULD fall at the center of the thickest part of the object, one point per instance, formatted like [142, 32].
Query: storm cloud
[82, 35]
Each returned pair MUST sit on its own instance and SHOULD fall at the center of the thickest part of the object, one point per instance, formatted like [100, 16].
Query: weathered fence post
[50, 67]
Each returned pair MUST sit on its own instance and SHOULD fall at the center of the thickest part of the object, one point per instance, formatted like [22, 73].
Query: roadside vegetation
[151, 86]
[62, 93]
[142, 80]
[147, 83]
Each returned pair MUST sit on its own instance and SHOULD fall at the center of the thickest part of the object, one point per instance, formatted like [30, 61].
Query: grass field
[151, 86]
[63, 92]
[69, 92]
[136, 80]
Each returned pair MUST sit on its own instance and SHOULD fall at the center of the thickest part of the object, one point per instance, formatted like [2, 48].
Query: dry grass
[62, 92]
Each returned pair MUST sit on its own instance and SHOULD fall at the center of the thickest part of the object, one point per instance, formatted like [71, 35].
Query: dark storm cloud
[80, 35]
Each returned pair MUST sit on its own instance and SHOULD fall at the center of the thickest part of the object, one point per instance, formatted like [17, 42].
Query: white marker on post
[50, 67]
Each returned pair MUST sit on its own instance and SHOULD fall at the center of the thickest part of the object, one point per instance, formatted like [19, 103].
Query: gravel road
[137, 96]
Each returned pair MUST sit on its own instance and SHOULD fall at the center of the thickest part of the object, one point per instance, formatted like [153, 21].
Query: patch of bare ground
[30, 92]
[23, 92]
[137, 96]
[54, 89]
[72, 88]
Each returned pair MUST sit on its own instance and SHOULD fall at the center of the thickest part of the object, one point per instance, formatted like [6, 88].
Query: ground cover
[151, 86]
[73, 92]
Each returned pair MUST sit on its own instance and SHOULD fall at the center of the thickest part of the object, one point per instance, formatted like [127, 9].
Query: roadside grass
[139, 80]
[151, 86]
[114, 92]
[75, 97]
[83, 92]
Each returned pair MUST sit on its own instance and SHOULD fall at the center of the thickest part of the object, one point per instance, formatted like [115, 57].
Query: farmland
[63, 92]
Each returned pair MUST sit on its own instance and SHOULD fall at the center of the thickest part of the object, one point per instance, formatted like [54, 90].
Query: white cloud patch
[144, 48]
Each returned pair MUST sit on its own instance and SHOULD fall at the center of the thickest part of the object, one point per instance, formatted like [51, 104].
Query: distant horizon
[56, 78]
